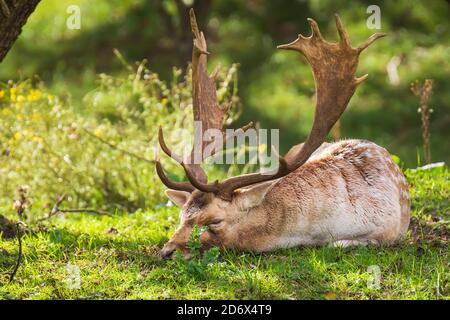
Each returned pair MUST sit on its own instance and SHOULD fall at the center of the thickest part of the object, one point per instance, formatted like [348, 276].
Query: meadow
[83, 256]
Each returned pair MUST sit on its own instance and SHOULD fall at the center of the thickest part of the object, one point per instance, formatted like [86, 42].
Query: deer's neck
[283, 210]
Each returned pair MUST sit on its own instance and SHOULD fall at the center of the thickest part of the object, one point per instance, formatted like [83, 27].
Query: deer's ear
[253, 196]
[178, 197]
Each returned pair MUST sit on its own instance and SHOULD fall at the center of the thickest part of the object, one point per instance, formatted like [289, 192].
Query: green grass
[123, 263]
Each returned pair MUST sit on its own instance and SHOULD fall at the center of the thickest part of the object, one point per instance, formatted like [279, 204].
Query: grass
[99, 257]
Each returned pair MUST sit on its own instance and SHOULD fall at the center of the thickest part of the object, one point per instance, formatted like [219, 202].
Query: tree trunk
[13, 16]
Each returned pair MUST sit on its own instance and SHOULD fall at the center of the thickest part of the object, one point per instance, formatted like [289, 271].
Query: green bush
[48, 145]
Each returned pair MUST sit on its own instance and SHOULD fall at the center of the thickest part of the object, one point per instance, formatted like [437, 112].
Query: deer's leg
[351, 243]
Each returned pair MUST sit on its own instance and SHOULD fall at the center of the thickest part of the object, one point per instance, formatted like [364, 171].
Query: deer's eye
[215, 223]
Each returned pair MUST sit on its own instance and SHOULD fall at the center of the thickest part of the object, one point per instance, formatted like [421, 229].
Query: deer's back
[350, 186]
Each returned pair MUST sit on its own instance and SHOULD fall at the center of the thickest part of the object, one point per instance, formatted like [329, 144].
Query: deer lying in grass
[345, 193]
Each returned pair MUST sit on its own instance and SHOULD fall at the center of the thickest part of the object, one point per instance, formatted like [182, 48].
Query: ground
[100, 257]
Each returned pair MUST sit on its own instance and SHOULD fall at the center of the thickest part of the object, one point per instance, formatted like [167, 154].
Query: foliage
[276, 87]
[44, 143]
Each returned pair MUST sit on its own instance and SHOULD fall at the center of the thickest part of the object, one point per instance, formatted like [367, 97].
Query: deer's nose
[167, 251]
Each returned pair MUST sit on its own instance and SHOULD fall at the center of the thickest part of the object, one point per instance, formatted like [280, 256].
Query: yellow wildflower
[2, 94]
[17, 135]
[164, 101]
[34, 95]
[12, 94]
[5, 111]
[98, 132]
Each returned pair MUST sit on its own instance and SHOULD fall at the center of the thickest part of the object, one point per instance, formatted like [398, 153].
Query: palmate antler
[207, 115]
[334, 66]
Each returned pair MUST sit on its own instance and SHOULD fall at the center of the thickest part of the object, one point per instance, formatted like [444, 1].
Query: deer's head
[221, 206]
[221, 220]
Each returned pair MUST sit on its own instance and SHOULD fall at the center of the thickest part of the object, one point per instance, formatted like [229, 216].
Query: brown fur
[348, 190]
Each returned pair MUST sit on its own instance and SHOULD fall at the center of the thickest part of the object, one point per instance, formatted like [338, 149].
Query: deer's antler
[334, 66]
[207, 115]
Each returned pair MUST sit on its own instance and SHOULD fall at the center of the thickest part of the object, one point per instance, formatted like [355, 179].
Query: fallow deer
[348, 192]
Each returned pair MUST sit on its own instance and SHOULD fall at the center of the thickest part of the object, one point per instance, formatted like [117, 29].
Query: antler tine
[238, 131]
[215, 72]
[370, 40]
[361, 79]
[181, 186]
[199, 173]
[194, 26]
[227, 137]
[343, 35]
[301, 42]
[165, 148]
[315, 29]
[199, 38]
[197, 183]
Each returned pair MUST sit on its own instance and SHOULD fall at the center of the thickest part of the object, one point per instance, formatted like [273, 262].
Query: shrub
[53, 148]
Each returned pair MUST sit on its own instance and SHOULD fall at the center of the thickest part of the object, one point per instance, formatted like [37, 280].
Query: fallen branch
[113, 146]
[99, 212]
[57, 210]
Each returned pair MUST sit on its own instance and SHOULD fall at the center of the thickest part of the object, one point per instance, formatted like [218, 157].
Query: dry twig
[113, 146]
[56, 209]
[423, 92]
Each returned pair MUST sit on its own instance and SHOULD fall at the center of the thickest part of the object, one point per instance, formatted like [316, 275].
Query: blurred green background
[276, 88]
